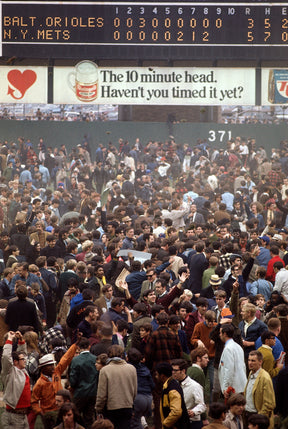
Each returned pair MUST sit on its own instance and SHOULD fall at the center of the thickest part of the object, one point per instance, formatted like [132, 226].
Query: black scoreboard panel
[145, 30]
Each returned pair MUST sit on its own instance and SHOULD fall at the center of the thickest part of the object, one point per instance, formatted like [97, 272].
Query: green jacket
[83, 375]
[197, 374]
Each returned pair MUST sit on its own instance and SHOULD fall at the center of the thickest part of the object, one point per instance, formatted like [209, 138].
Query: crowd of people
[59, 113]
[151, 280]
[268, 119]
[70, 113]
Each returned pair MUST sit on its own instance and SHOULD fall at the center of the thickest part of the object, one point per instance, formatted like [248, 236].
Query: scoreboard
[199, 30]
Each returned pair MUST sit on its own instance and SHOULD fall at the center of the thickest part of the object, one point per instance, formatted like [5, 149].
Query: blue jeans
[141, 407]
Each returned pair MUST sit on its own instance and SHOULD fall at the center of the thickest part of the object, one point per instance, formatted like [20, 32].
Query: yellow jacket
[268, 361]
[263, 395]
[171, 404]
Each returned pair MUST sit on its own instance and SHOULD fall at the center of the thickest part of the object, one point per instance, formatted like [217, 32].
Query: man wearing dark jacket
[127, 186]
[241, 274]
[136, 277]
[20, 311]
[51, 249]
[65, 276]
[90, 316]
[197, 265]
[21, 240]
[251, 328]
[76, 314]
[116, 312]
[83, 380]
[50, 296]
[233, 277]
[72, 250]
[5, 292]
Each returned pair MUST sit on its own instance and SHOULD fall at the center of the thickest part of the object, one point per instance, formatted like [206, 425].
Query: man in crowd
[192, 391]
[117, 403]
[17, 392]
[83, 380]
[172, 405]
[251, 328]
[232, 369]
[259, 392]
[22, 311]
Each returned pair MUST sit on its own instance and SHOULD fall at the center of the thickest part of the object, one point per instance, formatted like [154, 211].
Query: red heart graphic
[22, 81]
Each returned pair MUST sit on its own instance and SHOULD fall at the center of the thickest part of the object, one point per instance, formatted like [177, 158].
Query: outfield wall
[56, 133]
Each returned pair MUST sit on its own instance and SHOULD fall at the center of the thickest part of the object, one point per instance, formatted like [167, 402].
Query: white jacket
[193, 397]
[13, 378]
[232, 369]
[281, 282]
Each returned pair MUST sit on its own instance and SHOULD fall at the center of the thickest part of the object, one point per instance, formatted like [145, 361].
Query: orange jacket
[44, 391]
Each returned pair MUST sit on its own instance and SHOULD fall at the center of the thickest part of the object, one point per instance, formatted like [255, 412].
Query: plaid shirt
[224, 261]
[274, 178]
[49, 335]
[163, 345]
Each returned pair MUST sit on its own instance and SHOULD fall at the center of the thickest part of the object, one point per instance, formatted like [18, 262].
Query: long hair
[67, 406]
[31, 339]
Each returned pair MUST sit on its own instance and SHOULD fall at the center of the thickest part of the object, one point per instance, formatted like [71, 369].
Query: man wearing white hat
[209, 292]
[43, 400]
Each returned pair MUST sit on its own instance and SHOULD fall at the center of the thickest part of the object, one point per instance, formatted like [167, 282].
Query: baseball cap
[265, 238]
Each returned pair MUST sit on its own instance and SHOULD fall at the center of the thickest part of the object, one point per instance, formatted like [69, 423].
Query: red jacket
[270, 274]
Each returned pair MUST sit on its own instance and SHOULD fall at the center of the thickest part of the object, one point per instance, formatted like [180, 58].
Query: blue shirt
[261, 286]
[228, 199]
[276, 350]
[32, 278]
[264, 257]
[24, 176]
[154, 324]
[45, 174]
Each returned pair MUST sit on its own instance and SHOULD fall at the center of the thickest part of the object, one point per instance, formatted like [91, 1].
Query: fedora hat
[215, 280]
